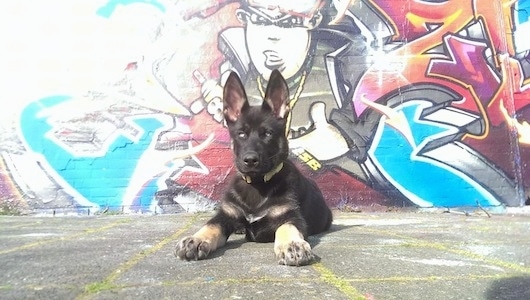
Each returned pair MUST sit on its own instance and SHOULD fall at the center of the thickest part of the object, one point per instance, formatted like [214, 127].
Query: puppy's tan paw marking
[294, 253]
[192, 248]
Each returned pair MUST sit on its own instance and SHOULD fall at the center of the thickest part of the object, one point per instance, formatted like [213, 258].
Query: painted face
[271, 47]
[276, 40]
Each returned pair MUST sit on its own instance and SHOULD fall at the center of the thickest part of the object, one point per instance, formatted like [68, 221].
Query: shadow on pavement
[512, 288]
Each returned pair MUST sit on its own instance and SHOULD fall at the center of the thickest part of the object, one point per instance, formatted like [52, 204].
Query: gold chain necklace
[293, 99]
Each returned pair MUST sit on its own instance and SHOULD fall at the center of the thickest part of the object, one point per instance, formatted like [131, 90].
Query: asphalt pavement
[366, 255]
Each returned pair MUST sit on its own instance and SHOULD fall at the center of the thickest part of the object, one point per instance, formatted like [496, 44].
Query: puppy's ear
[277, 95]
[234, 98]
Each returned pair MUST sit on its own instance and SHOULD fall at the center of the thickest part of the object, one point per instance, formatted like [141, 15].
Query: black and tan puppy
[270, 198]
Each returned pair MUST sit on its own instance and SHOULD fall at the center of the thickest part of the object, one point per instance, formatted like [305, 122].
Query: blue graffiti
[521, 24]
[523, 11]
[107, 10]
[102, 180]
[424, 181]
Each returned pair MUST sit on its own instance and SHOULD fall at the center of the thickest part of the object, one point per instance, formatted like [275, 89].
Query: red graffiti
[466, 66]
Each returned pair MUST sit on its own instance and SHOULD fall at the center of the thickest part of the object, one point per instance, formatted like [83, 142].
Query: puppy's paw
[294, 253]
[192, 248]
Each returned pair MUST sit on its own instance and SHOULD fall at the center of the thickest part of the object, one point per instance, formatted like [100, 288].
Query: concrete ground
[393, 255]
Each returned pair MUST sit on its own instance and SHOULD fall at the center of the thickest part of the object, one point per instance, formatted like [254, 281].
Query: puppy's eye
[267, 133]
[242, 134]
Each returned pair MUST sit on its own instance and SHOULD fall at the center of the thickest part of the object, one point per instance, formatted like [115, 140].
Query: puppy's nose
[251, 159]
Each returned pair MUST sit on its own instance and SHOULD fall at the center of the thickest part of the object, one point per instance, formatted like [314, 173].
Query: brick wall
[394, 103]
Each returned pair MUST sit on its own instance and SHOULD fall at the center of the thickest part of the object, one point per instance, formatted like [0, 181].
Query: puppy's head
[257, 132]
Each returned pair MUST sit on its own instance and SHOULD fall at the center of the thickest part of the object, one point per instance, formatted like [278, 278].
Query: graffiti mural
[415, 103]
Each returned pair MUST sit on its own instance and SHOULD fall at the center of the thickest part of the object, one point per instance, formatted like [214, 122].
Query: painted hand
[325, 142]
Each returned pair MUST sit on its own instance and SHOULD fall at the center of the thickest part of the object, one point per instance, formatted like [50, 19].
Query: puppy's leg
[290, 246]
[203, 242]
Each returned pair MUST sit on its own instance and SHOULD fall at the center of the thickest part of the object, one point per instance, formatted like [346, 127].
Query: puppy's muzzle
[251, 160]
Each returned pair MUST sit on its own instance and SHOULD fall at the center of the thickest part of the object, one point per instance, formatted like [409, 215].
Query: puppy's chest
[255, 217]
[255, 206]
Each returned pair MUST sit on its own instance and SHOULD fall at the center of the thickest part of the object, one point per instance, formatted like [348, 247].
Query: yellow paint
[469, 254]
[108, 282]
[66, 238]
[402, 279]
[420, 21]
[341, 284]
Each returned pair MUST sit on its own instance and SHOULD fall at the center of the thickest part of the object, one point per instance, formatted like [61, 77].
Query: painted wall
[116, 104]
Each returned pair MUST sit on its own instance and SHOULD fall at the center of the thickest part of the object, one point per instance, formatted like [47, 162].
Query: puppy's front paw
[294, 253]
[192, 248]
